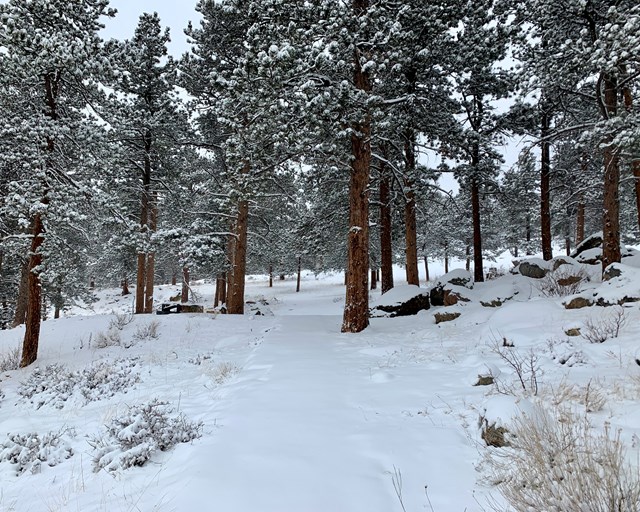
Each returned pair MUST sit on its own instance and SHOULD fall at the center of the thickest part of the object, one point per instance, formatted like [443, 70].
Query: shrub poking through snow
[566, 280]
[28, 452]
[55, 384]
[132, 438]
[111, 338]
[606, 327]
[565, 465]
[147, 331]
[10, 360]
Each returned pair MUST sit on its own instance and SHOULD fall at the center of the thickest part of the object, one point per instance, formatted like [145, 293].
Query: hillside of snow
[281, 412]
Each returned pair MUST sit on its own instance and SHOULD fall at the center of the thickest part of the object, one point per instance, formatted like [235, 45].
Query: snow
[295, 414]
[398, 295]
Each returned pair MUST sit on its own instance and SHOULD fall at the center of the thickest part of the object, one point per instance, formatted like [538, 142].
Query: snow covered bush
[566, 280]
[27, 452]
[10, 360]
[557, 466]
[132, 438]
[120, 321]
[111, 338]
[606, 327]
[55, 384]
[147, 331]
[222, 372]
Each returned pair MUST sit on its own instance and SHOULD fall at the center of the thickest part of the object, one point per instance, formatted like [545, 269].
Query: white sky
[173, 14]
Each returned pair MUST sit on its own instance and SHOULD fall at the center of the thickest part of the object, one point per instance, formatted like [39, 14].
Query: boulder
[445, 317]
[401, 301]
[534, 268]
[578, 303]
[449, 289]
[558, 261]
[592, 242]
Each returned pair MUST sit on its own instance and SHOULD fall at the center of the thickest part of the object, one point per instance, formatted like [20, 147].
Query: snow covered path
[306, 428]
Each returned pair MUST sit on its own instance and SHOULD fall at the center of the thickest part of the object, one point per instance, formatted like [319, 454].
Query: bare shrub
[566, 280]
[526, 368]
[10, 360]
[560, 466]
[604, 328]
[591, 396]
[147, 331]
[120, 320]
[111, 338]
[223, 371]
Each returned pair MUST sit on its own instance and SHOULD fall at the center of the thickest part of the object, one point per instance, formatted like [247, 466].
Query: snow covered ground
[288, 413]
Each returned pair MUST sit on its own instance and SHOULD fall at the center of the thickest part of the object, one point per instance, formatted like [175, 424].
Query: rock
[402, 301]
[449, 289]
[485, 380]
[578, 303]
[534, 268]
[445, 317]
[191, 308]
[592, 242]
[495, 303]
[569, 280]
[572, 332]
[494, 436]
[558, 261]
[176, 298]
[611, 271]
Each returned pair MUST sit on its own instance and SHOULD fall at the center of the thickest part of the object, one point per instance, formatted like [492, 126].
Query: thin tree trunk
[426, 269]
[20, 314]
[467, 252]
[270, 276]
[299, 273]
[356, 307]
[580, 220]
[34, 293]
[216, 295]
[150, 268]
[611, 204]
[411, 236]
[528, 235]
[184, 296]
[174, 278]
[57, 306]
[125, 286]
[478, 272]
[446, 263]
[386, 251]
[235, 295]
[545, 187]
[374, 281]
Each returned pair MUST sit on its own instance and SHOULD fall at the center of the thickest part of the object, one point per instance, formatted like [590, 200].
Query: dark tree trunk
[515, 251]
[567, 245]
[235, 294]
[125, 286]
[184, 296]
[386, 251]
[446, 263]
[174, 279]
[20, 314]
[270, 276]
[528, 235]
[221, 291]
[426, 269]
[356, 307]
[478, 272]
[611, 205]
[145, 204]
[467, 252]
[34, 293]
[374, 280]
[545, 187]
[150, 267]
[299, 273]
[580, 220]
[411, 235]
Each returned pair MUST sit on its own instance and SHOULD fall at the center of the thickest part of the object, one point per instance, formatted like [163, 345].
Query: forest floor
[281, 412]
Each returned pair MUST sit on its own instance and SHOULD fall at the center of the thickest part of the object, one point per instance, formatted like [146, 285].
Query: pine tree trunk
[467, 252]
[150, 267]
[545, 187]
[34, 294]
[635, 162]
[299, 273]
[580, 220]
[356, 307]
[386, 251]
[125, 286]
[528, 235]
[140, 280]
[20, 314]
[145, 204]
[235, 295]
[374, 281]
[478, 272]
[446, 263]
[270, 276]
[611, 204]
[411, 235]
[184, 296]
[174, 279]
[426, 269]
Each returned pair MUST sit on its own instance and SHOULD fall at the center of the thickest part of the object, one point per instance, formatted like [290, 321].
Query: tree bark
[34, 293]
[270, 276]
[580, 220]
[374, 280]
[356, 307]
[545, 187]
[235, 294]
[411, 235]
[20, 313]
[299, 273]
[125, 286]
[611, 204]
[426, 269]
[145, 203]
[635, 162]
[478, 272]
[184, 296]
[386, 251]
[150, 267]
